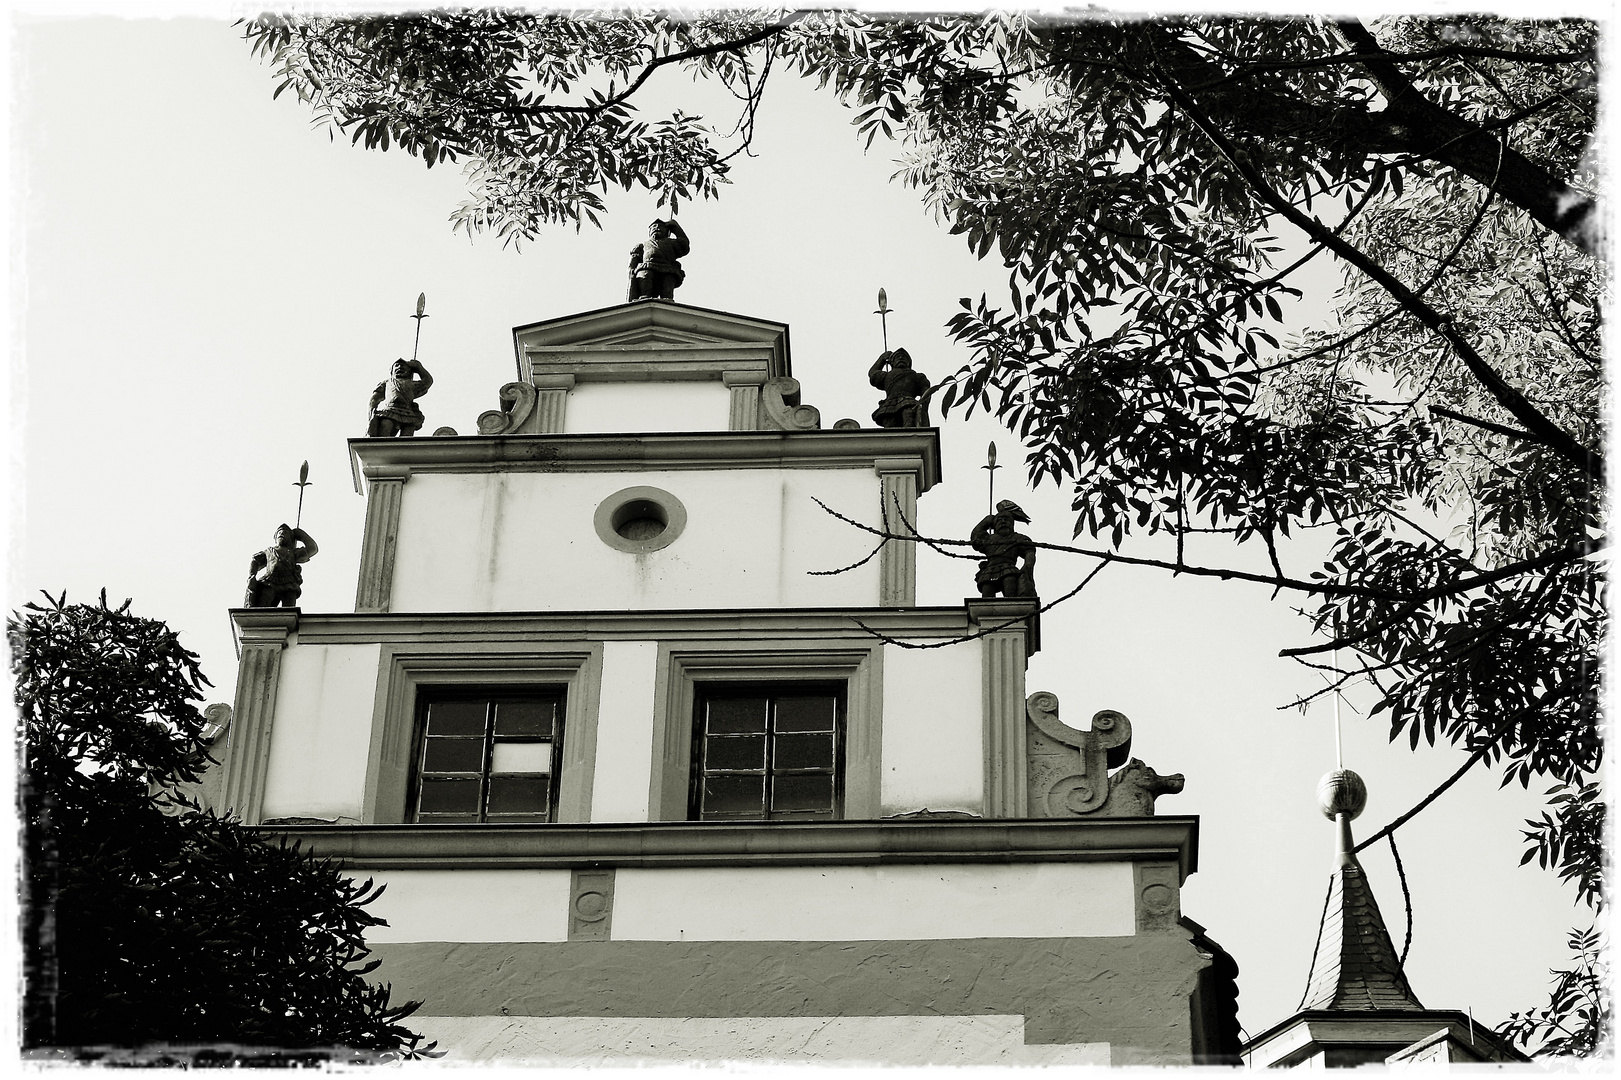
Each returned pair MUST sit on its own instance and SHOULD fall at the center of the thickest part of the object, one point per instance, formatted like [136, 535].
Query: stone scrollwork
[517, 402]
[780, 399]
[1068, 769]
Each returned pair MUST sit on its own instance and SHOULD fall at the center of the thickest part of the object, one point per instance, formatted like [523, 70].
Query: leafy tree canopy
[1153, 188]
[149, 920]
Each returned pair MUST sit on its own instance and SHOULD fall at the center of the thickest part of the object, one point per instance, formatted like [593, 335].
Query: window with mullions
[487, 757]
[765, 753]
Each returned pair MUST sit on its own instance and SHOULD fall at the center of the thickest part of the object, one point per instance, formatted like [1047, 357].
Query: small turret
[1358, 1008]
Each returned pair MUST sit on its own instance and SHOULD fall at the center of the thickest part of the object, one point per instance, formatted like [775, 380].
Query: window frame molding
[682, 667]
[404, 669]
[556, 744]
[773, 691]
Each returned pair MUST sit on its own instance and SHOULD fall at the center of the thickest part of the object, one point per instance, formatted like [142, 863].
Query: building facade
[644, 781]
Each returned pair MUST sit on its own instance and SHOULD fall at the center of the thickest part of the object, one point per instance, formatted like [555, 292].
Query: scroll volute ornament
[780, 399]
[1068, 769]
[517, 402]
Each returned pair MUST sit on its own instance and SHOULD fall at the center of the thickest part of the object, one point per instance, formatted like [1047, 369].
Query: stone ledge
[687, 844]
[634, 451]
[745, 625]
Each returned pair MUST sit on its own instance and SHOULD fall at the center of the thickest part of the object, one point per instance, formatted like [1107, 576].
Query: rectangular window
[768, 752]
[487, 756]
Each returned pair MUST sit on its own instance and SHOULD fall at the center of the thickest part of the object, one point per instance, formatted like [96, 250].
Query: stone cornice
[264, 626]
[652, 450]
[812, 625]
[678, 844]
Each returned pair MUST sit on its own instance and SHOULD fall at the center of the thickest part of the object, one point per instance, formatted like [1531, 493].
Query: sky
[205, 288]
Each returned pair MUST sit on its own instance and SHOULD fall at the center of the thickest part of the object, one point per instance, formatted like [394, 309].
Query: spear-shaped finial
[302, 483]
[883, 315]
[990, 467]
[422, 303]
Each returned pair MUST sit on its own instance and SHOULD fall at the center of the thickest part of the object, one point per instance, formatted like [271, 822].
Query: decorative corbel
[780, 400]
[517, 402]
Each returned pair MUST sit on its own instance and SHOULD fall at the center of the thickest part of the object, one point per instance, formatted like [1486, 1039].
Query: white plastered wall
[611, 408]
[470, 905]
[321, 732]
[619, 788]
[526, 542]
[770, 903]
[933, 748]
[875, 903]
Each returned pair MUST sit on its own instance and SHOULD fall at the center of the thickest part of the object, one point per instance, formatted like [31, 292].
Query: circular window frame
[675, 523]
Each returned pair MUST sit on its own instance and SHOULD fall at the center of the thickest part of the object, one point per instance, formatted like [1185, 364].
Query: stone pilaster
[246, 755]
[897, 563]
[1009, 632]
[551, 404]
[384, 488]
[745, 387]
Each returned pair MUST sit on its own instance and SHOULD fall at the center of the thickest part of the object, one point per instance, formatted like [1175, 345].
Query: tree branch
[699, 53]
[1423, 126]
[1513, 433]
[1536, 424]
[1316, 588]
[1426, 800]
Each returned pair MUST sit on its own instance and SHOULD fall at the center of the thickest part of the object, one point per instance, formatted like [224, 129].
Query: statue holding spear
[394, 410]
[906, 392]
[275, 575]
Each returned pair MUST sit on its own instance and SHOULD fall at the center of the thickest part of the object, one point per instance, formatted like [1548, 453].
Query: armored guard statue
[275, 578]
[906, 392]
[1010, 557]
[655, 267]
[394, 409]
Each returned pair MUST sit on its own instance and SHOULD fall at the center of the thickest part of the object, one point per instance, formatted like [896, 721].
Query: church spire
[1354, 967]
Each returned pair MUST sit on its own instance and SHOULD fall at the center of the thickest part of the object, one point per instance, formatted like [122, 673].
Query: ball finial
[1342, 791]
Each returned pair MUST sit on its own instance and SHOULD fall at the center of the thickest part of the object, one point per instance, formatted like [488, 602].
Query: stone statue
[906, 392]
[1003, 548]
[274, 576]
[655, 269]
[393, 404]
[1133, 789]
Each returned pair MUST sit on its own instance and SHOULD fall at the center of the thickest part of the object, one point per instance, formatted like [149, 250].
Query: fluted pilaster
[551, 404]
[384, 489]
[247, 744]
[897, 563]
[1005, 648]
[745, 388]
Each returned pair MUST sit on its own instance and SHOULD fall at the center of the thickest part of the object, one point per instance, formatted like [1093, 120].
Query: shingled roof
[1355, 966]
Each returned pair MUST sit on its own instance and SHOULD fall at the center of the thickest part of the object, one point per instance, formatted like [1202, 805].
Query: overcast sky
[206, 288]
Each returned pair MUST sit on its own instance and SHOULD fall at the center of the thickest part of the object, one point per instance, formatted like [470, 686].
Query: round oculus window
[640, 519]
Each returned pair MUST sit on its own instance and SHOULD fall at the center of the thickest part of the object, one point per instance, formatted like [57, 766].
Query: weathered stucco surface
[853, 903]
[889, 1040]
[321, 731]
[933, 757]
[1131, 992]
[526, 541]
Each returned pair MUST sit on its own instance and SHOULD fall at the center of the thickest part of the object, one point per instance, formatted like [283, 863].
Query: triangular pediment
[662, 338]
[650, 322]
